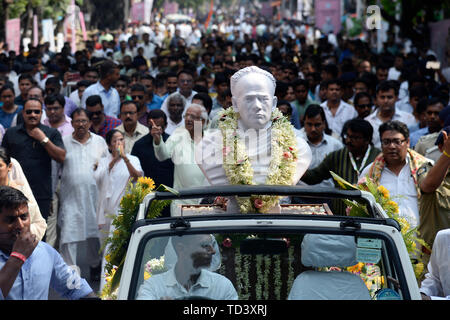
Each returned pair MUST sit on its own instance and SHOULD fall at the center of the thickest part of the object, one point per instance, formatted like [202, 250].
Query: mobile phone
[435, 65]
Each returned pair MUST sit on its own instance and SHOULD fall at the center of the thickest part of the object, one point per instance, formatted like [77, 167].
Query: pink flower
[227, 243]
[286, 155]
[347, 210]
[363, 180]
[258, 203]
[226, 150]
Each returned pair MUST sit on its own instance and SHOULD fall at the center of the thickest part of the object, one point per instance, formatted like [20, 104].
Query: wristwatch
[44, 141]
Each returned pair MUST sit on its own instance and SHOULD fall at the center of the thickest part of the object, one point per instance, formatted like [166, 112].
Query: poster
[13, 34]
[148, 5]
[439, 32]
[137, 11]
[328, 15]
[48, 34]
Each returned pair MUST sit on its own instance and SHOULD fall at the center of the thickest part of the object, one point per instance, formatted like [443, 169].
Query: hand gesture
[25, 243]
[37, 134]
[156, 132]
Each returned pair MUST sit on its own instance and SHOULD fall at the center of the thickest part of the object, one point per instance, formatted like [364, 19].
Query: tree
[44, 9]
[414, 16]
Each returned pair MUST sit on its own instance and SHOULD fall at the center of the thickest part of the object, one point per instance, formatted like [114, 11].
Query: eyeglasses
[125, 113]
[191, 117]
[352, 138]
[30, 111]
[137, 97]
[396, 142]
[176, 105]
[81, 121]
[364, 106]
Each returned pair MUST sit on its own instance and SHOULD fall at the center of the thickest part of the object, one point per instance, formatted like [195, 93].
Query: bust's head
[253, 96]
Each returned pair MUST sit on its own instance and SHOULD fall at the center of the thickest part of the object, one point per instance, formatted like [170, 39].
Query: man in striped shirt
[101, 123]
[347, 162]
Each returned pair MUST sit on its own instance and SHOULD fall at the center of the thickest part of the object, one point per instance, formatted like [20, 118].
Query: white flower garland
[238, 168]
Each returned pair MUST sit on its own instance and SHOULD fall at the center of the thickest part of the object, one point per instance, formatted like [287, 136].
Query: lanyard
[363, 163]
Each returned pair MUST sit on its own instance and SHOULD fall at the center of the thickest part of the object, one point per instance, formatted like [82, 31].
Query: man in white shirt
[321, 144]
[336, 110]
[131, 129]
[180, 147]
[149, 47]
[109, 74]
[396, 70]
[396, 169]
[185, 82]
[176, 106]
[386, 96]
[436, 284]
[190, 275]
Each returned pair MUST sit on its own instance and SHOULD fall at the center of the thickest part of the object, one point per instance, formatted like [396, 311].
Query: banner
[148, 5]
[170, 7]
[438, 39]
[137, 11]
[13, 34]
[83, 26]
[328, 15]
[35, 31]
[210, 13]
[47, 33]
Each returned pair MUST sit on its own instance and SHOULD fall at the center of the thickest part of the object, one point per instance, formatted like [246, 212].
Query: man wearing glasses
[396, 169]
[131, 128]
[34, 145]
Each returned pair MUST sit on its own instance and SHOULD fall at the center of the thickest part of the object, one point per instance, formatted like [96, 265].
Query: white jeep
[303, 253]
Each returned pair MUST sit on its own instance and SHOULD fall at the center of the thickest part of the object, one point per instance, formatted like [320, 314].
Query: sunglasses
[137, 97]
[30, 111]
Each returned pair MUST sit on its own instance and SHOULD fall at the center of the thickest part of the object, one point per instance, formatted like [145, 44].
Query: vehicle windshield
[260, 264]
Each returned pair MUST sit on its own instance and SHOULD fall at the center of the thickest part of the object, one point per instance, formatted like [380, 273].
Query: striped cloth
[109, 124]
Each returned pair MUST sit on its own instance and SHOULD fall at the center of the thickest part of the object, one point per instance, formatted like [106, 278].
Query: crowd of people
[76, 128]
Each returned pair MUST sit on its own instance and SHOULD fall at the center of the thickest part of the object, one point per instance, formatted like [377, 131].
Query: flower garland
[238, 168]
[116, 244]
[382, 197]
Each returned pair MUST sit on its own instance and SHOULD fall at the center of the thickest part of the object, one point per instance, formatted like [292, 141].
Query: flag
[208, 20]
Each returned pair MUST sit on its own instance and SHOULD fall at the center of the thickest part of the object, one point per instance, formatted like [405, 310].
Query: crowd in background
[77, 126]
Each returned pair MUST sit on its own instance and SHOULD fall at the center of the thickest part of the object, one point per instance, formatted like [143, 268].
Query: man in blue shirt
[28, 267]
[109, 74]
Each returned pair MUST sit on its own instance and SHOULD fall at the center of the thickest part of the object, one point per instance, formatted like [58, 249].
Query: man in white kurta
[180, 147]
[78, 196]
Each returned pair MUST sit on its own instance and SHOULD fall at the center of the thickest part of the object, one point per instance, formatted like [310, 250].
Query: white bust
[253, 98]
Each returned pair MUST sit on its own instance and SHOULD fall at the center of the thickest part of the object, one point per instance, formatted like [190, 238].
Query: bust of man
[254, 107]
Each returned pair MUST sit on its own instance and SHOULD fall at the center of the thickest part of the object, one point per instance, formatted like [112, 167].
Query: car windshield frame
[349, 226]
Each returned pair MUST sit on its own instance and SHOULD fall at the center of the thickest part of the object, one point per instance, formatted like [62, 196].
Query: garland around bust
[238, 168]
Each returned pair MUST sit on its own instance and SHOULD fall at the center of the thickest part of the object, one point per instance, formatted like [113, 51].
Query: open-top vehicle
[304, 252]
